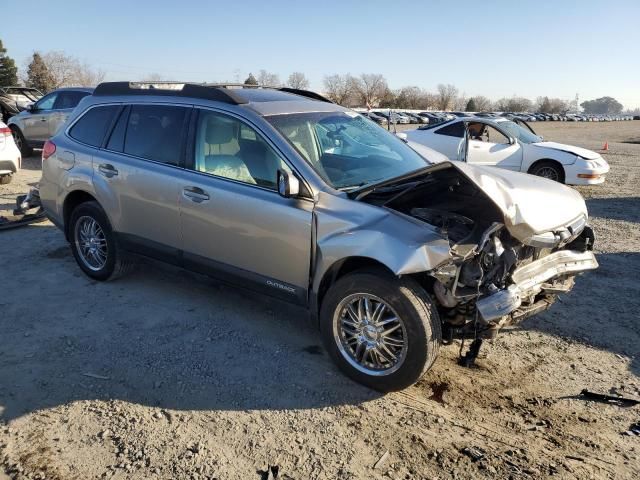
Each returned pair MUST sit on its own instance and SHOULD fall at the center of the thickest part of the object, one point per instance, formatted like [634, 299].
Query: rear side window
[154, 132]
[453, 130]
[93, 125]
[67, 100]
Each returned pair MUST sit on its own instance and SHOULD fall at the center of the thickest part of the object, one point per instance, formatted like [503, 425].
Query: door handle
[108, 170]
[43, 119]
[195, 194]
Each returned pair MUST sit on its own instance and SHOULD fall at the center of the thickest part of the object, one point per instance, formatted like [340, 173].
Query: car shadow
[617, 208]
[601, 310]
[32, 162]
[159, 337]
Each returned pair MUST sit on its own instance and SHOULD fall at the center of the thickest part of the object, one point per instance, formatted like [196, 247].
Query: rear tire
[418, 329]
[548, 169]
[20, 142]
[94, 245]
[5, 179]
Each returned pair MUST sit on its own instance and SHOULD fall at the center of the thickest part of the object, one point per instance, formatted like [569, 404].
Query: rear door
[489, 146]
[234, 223]
[66, 101]
[136, 177]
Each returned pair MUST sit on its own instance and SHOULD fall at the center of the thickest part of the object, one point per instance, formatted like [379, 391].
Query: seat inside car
[217, 151]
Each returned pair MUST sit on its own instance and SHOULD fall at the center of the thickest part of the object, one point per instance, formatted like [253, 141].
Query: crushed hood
[529, 204]
[581, 152]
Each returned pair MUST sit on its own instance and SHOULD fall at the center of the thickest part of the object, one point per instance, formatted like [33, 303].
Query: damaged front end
[509, 259]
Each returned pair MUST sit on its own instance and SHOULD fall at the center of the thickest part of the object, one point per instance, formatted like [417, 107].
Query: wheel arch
[339, 269]
[548, 160]
[71, 201]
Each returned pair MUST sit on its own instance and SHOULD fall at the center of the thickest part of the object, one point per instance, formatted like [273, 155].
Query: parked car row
[558, 117]
[383, 117]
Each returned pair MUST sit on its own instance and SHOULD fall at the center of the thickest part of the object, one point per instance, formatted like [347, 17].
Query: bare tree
[482, 103]
[338, 88]
[370, 88]
[68, 71]
[268, 79]
[514, 104]
[460, 102]
[298, 80]
[446, 96]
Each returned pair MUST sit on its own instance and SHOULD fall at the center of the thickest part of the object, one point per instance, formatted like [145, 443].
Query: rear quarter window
[93, 125]
[453, 130]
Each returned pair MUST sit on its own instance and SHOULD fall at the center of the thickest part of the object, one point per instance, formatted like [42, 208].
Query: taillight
[48, 149]
[5, 131]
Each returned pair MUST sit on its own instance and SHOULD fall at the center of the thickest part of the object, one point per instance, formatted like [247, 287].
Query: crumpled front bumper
[530, 279]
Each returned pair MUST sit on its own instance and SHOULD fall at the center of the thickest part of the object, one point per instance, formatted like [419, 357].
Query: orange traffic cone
[605, 147]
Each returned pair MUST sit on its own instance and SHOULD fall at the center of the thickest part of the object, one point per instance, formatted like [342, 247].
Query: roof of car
[75, 89]
[263, 100]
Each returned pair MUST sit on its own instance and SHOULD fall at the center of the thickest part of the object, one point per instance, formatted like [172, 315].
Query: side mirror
[30, 107]
[288, 184]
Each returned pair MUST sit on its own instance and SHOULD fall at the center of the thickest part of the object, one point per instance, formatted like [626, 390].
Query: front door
[36, 123]
[489, 146]
[234, 223]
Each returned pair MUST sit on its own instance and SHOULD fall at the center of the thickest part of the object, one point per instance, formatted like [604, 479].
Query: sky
[494, 48]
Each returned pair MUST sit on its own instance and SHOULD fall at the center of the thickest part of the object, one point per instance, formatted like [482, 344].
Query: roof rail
[305, 93]
[174, 89]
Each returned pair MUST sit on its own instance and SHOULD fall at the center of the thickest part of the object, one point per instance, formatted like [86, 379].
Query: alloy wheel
[548, 172]
[370, 335]
[91, 243]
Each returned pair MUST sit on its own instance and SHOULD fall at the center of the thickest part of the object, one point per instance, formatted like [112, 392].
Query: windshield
[516, 131]
[346, 149]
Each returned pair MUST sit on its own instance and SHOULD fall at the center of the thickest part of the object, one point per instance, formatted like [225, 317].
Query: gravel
[165, 374]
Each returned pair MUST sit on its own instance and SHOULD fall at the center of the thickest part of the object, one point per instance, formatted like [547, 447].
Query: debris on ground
[381, 461]
[612, 399]
[634, 430]
[474, 453]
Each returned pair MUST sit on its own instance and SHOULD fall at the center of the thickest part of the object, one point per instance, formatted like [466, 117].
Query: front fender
[348, 228]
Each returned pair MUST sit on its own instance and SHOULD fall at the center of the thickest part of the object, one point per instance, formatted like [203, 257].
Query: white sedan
[10, 158]
[502, 143]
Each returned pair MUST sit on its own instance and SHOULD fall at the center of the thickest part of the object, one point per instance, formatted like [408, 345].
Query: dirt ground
[164, 374]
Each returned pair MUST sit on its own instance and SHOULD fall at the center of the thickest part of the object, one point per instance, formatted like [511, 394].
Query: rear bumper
[531, 279]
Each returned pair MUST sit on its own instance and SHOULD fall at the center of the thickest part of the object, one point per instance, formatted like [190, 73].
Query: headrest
[219, 131]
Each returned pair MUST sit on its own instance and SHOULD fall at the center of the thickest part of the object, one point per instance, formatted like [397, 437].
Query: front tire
[5, 179]
[94, 245]
[548, 169]
[381, 331]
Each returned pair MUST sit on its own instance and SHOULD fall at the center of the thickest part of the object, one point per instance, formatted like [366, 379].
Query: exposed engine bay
[493, 279]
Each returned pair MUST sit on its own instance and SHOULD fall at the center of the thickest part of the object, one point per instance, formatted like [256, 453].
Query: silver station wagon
[286, 193]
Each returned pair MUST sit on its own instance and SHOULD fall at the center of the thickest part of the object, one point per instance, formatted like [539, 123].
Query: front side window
[155, 132]
[67, 100]
[93, 125]
[229, 148]
[346, 149]
[486, 133]
[521, 133]
[46, 103]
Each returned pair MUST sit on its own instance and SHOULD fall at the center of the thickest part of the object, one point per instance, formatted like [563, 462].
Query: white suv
[10, 158]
